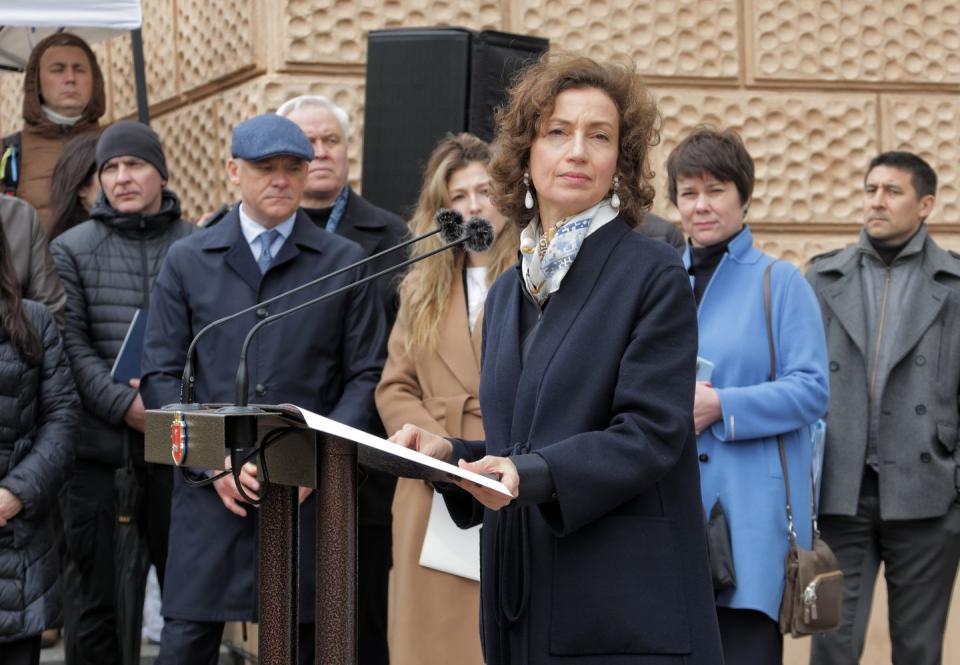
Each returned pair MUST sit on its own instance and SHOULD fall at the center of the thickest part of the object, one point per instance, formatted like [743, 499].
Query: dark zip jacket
[108, 265]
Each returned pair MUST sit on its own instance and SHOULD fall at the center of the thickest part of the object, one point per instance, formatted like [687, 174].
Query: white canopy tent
[25, 22]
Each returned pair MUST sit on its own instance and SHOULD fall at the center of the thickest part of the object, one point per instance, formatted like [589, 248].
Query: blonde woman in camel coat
[431, 380]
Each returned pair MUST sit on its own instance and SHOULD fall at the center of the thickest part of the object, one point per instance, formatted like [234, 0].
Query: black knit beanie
[128, 137]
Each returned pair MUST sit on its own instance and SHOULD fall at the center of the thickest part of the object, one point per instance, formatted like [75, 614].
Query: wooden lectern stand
[312, 452]
[297, 459]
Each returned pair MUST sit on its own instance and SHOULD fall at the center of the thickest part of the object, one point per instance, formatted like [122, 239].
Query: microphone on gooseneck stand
[479, 234]
[450, 226]
[241, 428]
[478, 237]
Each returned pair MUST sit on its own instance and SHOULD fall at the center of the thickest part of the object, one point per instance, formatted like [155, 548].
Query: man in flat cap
[326, 358]
[333, 205]
[108, 265]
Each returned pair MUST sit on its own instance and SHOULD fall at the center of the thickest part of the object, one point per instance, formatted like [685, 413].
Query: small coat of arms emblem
[178, 438]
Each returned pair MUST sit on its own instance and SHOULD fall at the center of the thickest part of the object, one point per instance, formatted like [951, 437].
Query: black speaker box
[421, 84]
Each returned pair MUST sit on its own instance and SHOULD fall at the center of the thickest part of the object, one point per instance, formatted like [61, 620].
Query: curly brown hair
[531, 100]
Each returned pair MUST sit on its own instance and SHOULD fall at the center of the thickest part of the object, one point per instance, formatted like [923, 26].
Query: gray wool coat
[918, 454]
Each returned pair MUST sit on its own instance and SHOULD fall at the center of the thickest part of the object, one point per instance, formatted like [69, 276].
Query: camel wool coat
[433, 617]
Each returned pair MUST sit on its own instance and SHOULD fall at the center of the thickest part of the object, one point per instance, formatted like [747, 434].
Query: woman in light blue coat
[738, 410]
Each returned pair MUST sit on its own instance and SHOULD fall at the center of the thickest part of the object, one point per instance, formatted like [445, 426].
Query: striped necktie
[266, 243]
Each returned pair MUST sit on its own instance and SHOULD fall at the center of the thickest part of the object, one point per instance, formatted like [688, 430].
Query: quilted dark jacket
[39, 417]
[108, 265]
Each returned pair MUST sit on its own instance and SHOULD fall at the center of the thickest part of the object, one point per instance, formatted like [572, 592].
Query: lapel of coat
[562, 310]
[305, 233]
[501, 350]
[360, 224]
[455, 339]
[845, 299]
[238, 257]
[922, 309]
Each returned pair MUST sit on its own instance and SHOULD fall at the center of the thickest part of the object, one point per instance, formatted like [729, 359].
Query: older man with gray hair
[331, 203]
[329, 200]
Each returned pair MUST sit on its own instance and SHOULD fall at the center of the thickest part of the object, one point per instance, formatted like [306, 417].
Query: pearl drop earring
[528, 197]
[615, 199]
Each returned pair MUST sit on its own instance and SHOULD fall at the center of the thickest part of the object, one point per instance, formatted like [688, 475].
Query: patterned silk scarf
[542, 276]
[339, 205]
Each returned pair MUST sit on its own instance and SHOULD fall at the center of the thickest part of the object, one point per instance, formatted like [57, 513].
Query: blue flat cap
[269, 135]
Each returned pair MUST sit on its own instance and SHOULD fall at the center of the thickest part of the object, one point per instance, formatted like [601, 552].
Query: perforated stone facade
[814, 86]
[336, 31]
[856, 40]
[666, 38]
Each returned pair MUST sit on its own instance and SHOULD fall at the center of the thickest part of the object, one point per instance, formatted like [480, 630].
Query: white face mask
[60, 119]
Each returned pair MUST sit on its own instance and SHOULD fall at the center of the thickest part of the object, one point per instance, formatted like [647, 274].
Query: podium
[299, 449]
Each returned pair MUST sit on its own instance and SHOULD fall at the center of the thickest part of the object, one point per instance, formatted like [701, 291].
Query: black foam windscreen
[423, 83]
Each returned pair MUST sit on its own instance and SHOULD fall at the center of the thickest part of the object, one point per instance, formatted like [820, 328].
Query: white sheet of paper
[323, 424]
[448, 548]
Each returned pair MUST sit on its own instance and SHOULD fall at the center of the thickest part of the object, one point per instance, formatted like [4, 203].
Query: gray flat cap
[269, 135]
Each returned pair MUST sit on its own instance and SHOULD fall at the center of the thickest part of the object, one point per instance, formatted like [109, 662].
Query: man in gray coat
[891, 308]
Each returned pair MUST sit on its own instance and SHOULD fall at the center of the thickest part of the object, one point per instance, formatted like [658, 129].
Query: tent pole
[143, 106]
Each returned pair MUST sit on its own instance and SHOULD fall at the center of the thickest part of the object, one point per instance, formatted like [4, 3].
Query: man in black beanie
[108, 265]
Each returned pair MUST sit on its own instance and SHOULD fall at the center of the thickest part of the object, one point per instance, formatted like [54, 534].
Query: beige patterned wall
[816, 87]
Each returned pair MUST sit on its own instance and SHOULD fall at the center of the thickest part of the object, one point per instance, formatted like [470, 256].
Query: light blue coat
[739, 459]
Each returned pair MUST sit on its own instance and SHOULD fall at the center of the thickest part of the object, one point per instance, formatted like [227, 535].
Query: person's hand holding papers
[439, 448]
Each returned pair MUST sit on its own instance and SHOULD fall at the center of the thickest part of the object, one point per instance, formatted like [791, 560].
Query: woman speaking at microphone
[586, 390]
[432, 378]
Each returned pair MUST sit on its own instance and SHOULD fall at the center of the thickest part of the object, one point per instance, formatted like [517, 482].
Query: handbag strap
[768, 316]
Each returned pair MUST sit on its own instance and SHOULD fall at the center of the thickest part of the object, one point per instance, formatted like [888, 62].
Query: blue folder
[127, 364]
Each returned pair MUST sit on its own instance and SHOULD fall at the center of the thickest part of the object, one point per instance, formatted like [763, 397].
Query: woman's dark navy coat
[613, 570]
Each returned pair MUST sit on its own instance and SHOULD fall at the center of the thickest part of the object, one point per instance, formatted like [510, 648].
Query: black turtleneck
[320, 216]
[704, 261]
[889, 253]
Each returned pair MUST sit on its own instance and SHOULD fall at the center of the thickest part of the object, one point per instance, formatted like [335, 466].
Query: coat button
[704, 457]
[260, 389]
[262, 312]
[834, 365]
[920, 360]
[920, 409]
[925, 458]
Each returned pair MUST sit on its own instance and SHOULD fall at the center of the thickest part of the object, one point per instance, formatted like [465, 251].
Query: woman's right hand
[706, 406]
[419, 439]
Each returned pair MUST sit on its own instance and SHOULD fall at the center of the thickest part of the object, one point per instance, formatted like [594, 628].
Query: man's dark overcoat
[326, 359]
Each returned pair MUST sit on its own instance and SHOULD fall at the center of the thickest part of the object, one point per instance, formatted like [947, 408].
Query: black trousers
[20, 652]
[920, 563]
[749, 637]
[374, 559]
[198, 643]
[89, 517]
